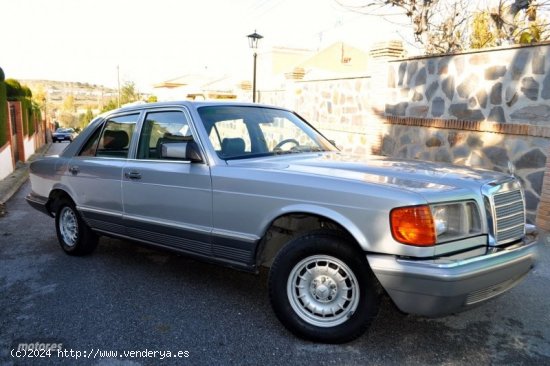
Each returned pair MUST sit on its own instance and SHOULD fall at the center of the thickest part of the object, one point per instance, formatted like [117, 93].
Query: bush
[27, 91]
[14, 90]
[30, 118]
[22, 93]
[26, 111]
[37, 117]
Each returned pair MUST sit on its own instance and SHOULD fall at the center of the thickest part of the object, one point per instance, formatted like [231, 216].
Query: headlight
[429, 225]
[456, 220]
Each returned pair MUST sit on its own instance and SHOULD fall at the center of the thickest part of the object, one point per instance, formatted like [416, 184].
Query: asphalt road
[126, 297]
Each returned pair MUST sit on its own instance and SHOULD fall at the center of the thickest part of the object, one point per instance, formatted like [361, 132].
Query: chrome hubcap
[323, 288]
[68, 226]
[323, 291]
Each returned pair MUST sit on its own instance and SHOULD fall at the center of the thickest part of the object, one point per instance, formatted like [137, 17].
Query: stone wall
[509, 85]
[475, 148]
[341, 109]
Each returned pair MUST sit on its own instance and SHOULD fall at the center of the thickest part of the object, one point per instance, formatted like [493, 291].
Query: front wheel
[321, 288]
[74, 236]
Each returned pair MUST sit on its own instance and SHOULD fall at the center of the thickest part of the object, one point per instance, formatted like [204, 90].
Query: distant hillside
[85, 95]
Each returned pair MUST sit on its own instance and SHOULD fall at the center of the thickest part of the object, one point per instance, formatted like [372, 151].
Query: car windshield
[64, 130]
[238, 132]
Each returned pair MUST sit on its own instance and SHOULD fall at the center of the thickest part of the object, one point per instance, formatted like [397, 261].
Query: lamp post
[118, 84]
[253, 42]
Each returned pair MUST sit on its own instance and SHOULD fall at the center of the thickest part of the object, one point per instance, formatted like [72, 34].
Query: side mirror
[188, 150]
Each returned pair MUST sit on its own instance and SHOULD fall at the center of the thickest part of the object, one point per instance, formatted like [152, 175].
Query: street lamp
[253, 43]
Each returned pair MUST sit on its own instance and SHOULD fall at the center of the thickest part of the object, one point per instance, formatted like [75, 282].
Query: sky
[152, 41]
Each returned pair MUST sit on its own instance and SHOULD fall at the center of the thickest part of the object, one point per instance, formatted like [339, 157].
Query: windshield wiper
[247, 156]
[299, 150]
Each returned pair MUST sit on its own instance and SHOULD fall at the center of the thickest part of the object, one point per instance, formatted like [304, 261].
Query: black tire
[74, 236]
[323, 270]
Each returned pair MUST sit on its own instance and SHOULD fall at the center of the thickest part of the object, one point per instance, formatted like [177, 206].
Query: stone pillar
[543, 215]
[379, 70]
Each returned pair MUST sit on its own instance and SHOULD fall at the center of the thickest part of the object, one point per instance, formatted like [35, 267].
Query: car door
[95, 174]
[167, 202]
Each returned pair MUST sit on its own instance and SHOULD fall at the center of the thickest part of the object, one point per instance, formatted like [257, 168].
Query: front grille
[492, 291]
[510, 216]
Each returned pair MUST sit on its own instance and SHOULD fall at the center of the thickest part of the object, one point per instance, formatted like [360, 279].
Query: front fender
[316, 210]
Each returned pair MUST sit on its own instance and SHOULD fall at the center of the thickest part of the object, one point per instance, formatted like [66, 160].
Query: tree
[112, 104]
[128, 93]
[68, 104]
[4, 134]
[443, 25]
[446, 32]
[85, 118]
[68, 119]
[438, 25]
[67, 114]
[519, 21]
[510, 22]
[482, 35]
[39, 95]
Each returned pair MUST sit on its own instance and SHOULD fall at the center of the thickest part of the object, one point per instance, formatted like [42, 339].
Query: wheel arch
[296, 220]
[56, 194]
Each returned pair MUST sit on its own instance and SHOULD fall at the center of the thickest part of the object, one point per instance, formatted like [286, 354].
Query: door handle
[74, 169]
[133, 175]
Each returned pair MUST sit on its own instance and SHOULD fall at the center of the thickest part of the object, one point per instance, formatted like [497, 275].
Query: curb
[11, 184]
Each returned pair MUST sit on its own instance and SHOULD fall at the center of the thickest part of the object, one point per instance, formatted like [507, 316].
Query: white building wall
[6, 164]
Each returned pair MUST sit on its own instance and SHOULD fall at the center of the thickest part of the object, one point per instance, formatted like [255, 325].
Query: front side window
[113, 140]
[238, 132]
[162, 128]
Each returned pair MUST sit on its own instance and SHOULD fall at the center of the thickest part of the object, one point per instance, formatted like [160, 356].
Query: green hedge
[14, 90]
[4, 131]
[25, 108]
[37, 116]
[17, 92]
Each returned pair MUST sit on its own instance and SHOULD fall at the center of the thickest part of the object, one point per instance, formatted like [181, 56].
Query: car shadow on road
[224, 298]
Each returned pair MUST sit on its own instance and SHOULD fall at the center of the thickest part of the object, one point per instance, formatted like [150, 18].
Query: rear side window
[114, 139]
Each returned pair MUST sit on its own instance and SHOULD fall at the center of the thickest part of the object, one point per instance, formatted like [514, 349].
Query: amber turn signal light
[413, 225]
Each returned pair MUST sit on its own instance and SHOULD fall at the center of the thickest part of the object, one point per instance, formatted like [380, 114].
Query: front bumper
[441, 287]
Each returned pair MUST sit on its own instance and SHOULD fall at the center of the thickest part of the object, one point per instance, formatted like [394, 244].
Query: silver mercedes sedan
[248, 185]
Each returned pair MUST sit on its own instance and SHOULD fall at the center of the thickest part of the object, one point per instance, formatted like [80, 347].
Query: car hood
[412, 175]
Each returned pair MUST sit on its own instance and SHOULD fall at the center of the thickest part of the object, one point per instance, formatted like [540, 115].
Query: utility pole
[118, 83]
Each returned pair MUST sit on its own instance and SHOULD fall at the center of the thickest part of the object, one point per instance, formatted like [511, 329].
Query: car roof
[189, 104]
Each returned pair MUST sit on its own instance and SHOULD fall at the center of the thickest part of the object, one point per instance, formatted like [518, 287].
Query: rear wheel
[321, 288]
[74, 236]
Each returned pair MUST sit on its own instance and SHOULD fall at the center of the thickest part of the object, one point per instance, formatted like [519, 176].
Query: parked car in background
[248, 185]
[63, 134]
